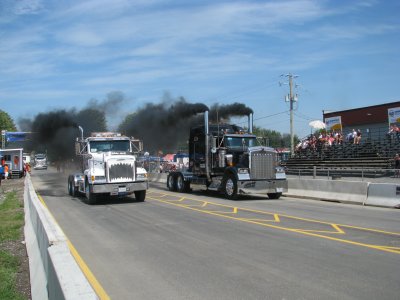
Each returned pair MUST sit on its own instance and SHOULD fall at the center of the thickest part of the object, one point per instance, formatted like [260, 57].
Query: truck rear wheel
[140, 195]
[182, 186]
[171, 182]
[91, 198]
[230, 189]
[274, 195]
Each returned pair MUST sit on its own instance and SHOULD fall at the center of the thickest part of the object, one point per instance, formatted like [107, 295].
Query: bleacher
[373, 156]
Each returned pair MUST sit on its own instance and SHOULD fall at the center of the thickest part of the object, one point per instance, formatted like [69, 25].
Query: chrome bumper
[124, 188]
[262, 186]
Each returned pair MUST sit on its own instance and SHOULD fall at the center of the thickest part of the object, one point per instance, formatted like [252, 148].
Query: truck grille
[262, 164]
[120, 172]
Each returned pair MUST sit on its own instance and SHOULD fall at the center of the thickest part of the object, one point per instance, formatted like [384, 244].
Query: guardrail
[368, 174]
[54, 273]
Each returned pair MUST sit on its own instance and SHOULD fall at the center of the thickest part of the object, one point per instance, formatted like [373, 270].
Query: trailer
[14, 159]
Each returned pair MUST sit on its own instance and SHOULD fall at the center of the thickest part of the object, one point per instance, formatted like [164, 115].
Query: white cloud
[81, 37]
[25, 7]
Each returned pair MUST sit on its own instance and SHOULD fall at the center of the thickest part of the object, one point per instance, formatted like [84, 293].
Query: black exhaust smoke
[163, 126]
[225, 112]
[55, 132]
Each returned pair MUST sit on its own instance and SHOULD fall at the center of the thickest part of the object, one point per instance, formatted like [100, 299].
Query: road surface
[202, 246]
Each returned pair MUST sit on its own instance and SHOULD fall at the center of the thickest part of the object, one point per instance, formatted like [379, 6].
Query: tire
[90, 197]
[230, 188]
[72, 190]
[274, 195]
[140, 195]
[182, 186]
[69, 186]
[171, 182]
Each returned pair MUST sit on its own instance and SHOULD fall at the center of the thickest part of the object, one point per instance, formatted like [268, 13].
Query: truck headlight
[141, 176]
[243, 171]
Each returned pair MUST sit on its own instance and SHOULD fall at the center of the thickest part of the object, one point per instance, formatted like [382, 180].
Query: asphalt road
[201, 246]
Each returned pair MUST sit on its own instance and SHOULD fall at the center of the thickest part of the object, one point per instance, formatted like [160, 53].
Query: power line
[260, 118]
[303, 116]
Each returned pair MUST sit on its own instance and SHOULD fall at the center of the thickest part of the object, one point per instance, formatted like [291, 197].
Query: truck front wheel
[230, 187]
[274, 195]
[140, 196]
[71, 187]
[91, 198]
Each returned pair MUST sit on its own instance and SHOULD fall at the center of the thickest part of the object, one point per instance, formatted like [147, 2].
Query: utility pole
[291, 98]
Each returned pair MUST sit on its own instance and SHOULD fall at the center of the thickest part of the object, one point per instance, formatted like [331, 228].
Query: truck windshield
[240, 142]
[105, 146]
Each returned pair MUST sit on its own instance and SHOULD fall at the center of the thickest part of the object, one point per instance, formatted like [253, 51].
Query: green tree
[274, 138]
[6, 122]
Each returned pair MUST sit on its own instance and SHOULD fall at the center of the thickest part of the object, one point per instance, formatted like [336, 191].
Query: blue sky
[61, 54]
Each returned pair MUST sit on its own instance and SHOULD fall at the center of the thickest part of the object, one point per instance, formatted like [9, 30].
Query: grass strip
[11, 222]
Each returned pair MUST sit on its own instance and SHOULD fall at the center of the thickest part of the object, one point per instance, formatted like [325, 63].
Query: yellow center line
[301, 231]
[294, 217]
[99, 290]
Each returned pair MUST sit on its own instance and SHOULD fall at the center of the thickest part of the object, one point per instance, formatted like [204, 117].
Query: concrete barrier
[336, 190]
[384, 194]
[158, 177]
[332, 190]
[54, 272]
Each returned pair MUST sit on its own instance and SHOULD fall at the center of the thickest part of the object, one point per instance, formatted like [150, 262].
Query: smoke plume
[165, 126]
[225, 112]
[54, 132]
[162, 126]
[111, 107]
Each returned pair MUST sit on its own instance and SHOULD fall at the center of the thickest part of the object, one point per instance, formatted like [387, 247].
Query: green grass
[11, 218]
[8, 272]
[11, 221]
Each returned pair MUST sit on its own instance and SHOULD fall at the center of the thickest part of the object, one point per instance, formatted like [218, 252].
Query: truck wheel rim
[179, 182]
[229, 187]
[170, 181]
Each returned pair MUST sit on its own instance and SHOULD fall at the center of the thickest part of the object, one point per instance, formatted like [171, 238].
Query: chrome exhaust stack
[250, 123]
[81, 130]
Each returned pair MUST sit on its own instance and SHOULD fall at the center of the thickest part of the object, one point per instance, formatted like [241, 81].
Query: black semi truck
[227, 159]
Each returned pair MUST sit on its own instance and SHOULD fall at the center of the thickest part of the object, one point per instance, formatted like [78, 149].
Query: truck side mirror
[79, 148]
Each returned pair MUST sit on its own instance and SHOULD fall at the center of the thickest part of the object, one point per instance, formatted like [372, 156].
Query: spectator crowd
[322, 140]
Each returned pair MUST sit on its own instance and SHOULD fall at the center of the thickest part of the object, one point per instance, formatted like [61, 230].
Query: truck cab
[228, 159]
[109, 168]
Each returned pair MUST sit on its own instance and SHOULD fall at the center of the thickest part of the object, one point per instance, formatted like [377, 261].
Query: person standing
[358, 137]
[5, 171]
[397, 166]
[1, 173]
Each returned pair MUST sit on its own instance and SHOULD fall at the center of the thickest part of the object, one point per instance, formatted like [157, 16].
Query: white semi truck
[109, 167]
[40, 161]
